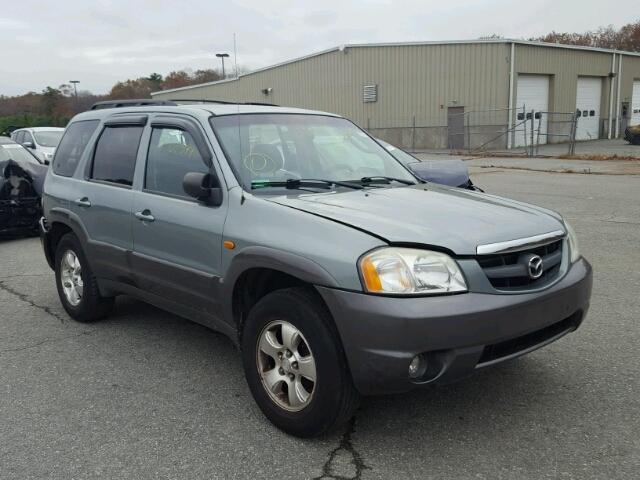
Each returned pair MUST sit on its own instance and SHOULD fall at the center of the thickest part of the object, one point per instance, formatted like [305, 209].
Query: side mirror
[204, 187]
[29, 145]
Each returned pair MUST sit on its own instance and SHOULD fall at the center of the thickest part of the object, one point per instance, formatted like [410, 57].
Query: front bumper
[19, 215]
[456, 333]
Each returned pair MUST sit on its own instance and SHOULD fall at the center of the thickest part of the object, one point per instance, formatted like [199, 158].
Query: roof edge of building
[402, 44]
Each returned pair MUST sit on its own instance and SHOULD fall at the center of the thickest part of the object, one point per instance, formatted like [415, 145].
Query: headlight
[409, 271]
[572, 239]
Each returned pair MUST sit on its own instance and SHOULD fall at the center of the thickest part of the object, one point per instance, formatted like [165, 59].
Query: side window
[19, 137]
[114, 159]
[172, 154]
[69, 151]
[27, 138]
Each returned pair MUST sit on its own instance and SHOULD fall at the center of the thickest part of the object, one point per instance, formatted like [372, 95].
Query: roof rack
[139, 102]
[178, 101]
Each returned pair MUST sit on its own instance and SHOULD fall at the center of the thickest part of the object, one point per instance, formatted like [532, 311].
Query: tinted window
[115, 157]
[172, 154]
[72, 146]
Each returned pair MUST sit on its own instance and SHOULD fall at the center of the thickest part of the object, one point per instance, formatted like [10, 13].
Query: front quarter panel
[328, 249]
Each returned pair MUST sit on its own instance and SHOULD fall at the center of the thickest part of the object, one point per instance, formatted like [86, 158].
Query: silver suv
[335, 270]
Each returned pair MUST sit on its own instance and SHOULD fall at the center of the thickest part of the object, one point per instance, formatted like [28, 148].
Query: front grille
[509, 271]
[527, 342]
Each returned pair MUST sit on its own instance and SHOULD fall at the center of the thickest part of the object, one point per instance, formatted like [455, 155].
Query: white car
[41, 140]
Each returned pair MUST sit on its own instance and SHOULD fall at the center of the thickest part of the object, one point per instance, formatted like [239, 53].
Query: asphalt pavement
[145, 394]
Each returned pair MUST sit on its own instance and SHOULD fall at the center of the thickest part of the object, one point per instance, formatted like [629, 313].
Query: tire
[91, 305]
[333, 398]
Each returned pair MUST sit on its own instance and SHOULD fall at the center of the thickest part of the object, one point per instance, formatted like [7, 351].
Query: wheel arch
[59, 223]
[257, 271]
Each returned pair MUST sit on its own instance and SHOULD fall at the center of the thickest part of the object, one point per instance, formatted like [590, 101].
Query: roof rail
[139, 102]
[221, 102]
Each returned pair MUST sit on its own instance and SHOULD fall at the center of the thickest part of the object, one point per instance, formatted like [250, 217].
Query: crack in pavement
[344, 446]
[24, 298]
[42, 342]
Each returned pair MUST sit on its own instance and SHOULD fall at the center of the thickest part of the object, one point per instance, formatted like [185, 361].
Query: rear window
[114, 159]
[72, 145]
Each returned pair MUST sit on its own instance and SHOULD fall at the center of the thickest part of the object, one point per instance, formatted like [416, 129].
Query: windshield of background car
[48, 138]
[17, 153]
[278, 147]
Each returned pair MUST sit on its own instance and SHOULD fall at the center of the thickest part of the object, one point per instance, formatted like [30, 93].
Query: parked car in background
[336, 271]
[42, 141]
[21, 178]
[632, 134]
[446, 171]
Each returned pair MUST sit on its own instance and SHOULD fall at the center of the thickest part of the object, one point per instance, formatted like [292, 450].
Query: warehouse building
[459, 94]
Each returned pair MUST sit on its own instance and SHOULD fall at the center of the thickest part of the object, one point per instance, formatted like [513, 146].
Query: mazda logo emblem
[535, 267]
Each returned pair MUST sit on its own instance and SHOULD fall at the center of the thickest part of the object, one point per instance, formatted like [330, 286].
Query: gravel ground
[145, 394]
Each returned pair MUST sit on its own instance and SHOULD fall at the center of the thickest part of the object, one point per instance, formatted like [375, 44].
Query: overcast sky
[100, 42]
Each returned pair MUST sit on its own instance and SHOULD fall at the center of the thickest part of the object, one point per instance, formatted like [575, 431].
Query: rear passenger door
[177, 239]
[104, 201]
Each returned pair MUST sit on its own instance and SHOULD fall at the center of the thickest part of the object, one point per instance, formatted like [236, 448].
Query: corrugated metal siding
[421, 81]
[630, 72]
[413, 80]
[565, 66]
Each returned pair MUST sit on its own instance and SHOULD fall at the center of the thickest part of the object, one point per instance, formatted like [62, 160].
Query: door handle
[144, 215]
[83, 202]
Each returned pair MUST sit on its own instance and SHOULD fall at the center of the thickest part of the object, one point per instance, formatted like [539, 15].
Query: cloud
[104, 41]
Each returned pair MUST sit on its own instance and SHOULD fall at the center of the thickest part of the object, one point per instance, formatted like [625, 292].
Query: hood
[456, 219]
[21, 179]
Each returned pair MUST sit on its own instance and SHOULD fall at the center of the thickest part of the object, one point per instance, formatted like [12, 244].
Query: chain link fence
[485, 130]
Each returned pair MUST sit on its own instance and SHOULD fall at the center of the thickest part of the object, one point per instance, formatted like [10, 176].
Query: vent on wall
[370, 93]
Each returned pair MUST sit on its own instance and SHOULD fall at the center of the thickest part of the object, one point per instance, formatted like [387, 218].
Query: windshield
[279, 147]
[17, 153]
[49, 138]
[402, 156]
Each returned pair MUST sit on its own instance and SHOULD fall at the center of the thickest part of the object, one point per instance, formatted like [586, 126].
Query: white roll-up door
[588, 104]
[532, 94]
[635, 104]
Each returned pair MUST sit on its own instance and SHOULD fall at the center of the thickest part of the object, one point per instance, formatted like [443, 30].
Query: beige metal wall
[416, 84]
[413, 80]
[564, 66]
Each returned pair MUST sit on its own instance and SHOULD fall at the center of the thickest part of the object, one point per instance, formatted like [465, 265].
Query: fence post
[413, 135]
[468, 118]
[368, 125]
[532, 127]
[572, 134]
[539, 127]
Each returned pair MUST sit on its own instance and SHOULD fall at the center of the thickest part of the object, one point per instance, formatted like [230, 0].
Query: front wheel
[294, 363]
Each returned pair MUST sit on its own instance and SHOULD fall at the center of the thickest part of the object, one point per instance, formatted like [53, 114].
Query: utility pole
[75, 90]
[222, 56]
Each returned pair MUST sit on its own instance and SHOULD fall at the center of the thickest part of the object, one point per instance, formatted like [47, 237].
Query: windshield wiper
[295, 183]
[383, 179]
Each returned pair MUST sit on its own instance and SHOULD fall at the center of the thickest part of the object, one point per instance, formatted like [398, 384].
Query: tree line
[55, 106]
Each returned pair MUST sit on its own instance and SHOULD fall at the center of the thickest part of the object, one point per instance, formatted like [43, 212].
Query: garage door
[532, 94]
[635, 104]
[588, 106]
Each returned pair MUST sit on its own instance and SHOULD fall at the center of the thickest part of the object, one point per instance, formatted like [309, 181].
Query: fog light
[417, 366]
